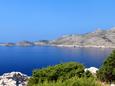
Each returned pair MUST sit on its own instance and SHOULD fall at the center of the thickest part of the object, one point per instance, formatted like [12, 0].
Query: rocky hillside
[99, 38]
[13, 79]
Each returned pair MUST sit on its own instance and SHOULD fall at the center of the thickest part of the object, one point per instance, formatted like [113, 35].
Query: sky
[34, 20]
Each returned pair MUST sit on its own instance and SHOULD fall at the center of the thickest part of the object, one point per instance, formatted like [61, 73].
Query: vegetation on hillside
[74, 81]
[53, 73]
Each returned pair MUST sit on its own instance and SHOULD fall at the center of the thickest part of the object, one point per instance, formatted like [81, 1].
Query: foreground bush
[53, 73]
[72, 82]
[107, 70]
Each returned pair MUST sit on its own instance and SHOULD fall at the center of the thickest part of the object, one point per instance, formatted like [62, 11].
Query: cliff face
[97, 38]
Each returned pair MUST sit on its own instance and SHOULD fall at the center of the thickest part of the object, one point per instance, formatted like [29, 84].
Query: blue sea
[26, 59]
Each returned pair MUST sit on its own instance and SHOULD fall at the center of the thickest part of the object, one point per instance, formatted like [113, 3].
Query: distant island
[99, 38]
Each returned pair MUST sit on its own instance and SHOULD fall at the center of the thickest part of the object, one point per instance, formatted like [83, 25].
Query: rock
[93, 70]
[13, 79]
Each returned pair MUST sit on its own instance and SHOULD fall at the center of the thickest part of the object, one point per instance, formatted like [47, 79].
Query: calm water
[25, 59]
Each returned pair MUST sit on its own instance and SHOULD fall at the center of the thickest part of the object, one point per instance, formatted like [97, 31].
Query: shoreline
[68, 46]
[88, 46]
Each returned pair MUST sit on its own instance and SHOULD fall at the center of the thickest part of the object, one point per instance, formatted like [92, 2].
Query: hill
[98, 38]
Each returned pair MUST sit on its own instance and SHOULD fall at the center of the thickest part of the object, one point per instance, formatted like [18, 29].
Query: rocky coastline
[86, 46]
[54, 45]
[67, 46]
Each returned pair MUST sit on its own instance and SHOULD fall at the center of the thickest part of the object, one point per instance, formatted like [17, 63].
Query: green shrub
[75, 81]
[88, 74]
[54, 73]
[107, 70]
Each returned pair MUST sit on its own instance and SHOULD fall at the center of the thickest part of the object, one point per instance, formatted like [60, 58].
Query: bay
[26, 59]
